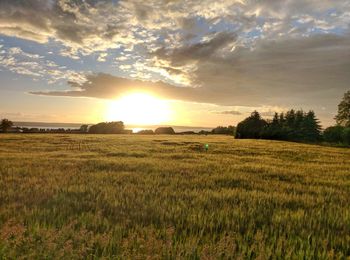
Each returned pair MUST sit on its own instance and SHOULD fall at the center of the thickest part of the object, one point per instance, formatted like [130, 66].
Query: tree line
[117, 127]
[297, 125]
[290, 126]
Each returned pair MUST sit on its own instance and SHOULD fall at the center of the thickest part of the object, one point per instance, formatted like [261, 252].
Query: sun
[139, 109]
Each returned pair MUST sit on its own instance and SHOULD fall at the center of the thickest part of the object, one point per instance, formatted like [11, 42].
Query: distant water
[177, 129]
[135, 128]
[44, 125]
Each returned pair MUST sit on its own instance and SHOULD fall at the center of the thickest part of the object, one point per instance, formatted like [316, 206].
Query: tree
[311, 128]
[290, 118]
[145, 132]
[275, 120]
[299, 118]
[251, 127]
[272, 129]
[164, 130]
[222, 130]
[346, 135]
[84, 128]
[5, 125]
[294, 125]
[343, 116]
[333, 134]
[282, 119]
[107, 128]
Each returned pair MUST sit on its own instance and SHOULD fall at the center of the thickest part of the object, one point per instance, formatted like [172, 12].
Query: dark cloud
[110, 87]
[198, 51]
[308, 71]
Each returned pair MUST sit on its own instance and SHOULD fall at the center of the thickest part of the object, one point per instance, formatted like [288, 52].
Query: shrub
[145, 132]
[346, 135]
[165, 130]
[251, 127]
[107, 128]
[222, 130]
[333, 134]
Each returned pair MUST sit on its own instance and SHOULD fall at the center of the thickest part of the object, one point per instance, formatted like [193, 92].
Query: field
[156, 197]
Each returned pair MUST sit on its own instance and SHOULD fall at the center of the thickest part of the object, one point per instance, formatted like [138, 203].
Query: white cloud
[17, 61]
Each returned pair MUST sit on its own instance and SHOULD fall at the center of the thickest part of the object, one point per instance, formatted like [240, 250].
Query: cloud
[89, 26]
[110, 87]
[293, 72]
[197, 51]
[79, 25]
[228, 112]
[106, 86]
[23, 63]
[185, 59]
[309, 71]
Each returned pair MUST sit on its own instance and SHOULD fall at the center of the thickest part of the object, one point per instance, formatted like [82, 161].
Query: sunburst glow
[139, 109]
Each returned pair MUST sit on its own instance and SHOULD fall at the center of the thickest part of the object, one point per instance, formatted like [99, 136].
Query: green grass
[137, 197]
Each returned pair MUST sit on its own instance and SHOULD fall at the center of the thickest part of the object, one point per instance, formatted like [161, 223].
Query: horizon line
[126, 125]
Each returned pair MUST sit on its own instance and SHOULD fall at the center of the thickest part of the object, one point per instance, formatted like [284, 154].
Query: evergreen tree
[275, 120]
[282, 120]
[299, 117]
[298, 130]
[311, 127]
[292, 126]
[273, 129]
[290, 118]
[288, 126]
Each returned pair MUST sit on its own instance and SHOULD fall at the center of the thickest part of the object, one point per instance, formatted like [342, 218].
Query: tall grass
[137, 197]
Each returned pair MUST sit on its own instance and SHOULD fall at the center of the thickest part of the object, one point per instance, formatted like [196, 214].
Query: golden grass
[137, 197]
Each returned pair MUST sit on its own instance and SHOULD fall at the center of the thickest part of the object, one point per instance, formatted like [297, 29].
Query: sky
[201, 62]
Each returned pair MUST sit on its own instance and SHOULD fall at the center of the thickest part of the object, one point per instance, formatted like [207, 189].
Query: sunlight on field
[138, 197]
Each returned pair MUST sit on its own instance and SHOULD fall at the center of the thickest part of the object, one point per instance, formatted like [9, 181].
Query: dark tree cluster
[251, 127]
[5, 125]
[107, 128]
[164, 130]
[290, 126]
[223, 130]
[145, 132]
[337, 134]
[35, 130]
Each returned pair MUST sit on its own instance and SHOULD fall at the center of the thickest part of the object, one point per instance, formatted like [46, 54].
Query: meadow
[164, 197]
